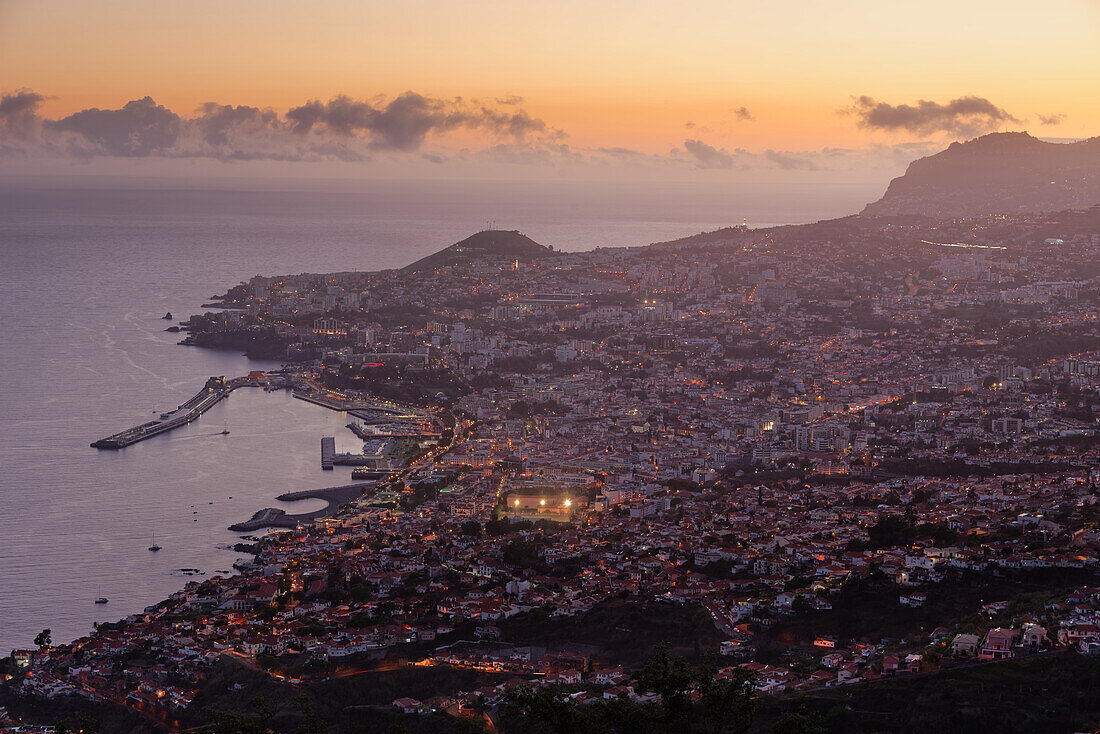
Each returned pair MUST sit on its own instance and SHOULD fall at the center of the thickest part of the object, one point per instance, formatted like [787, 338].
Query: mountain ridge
[998, 173]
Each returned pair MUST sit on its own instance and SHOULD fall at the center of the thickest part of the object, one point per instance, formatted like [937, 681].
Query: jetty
[330, 457]
[393, 429]
[370, 409]
[366, 472]
[213, 392]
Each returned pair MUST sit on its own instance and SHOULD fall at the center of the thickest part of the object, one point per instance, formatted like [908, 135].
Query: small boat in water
[101, 599]
[154, 547]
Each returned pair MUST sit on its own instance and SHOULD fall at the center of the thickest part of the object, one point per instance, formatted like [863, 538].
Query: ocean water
[86, 274]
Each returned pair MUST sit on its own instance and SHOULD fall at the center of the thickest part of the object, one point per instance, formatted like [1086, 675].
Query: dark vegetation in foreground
[1053, 692]
[666, 645]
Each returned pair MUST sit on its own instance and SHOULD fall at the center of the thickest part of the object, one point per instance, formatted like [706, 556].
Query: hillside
[488, 244]
[998, 173]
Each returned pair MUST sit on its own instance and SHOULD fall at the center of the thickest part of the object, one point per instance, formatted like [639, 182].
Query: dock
[392, 429]
[330, 457]
[364, 472]
[370, 409]
[212, 393]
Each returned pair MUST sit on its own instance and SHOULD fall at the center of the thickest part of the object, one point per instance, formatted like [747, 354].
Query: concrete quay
[213, 392]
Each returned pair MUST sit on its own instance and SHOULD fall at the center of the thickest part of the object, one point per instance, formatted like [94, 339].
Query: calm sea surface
[86, 274]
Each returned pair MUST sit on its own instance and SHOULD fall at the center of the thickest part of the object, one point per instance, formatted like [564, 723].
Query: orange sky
[608, 74]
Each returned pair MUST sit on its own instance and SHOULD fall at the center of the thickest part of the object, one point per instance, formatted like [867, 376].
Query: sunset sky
[854, 88]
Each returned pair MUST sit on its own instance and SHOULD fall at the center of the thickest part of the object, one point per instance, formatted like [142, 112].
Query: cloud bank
[963, 116]
[339, 129]
[704, 156]
[409, 130]
[707, 156]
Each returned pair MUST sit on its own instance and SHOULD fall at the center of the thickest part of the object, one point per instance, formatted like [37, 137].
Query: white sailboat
[154, 547]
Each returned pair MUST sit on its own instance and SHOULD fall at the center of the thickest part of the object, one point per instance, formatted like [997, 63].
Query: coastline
[106, 352]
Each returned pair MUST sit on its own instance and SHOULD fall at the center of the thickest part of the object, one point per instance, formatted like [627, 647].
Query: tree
[546, 705]
[44, 638]
[728, 704]
[669, 677]
[466, 725]
[234, 722]
[693, 699]
[312, 723]
[799, 722]
[802, 605]
[82, 724]
[889, 531]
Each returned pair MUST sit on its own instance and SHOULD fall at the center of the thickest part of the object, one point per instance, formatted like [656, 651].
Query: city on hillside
[799, 461]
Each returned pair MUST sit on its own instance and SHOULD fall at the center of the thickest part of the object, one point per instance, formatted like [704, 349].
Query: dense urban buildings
[813, 456]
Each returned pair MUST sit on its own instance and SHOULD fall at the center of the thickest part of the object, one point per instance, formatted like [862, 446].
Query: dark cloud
[241, 132]
[742, 113]
[707, 156]
[406, 121]
[510, 100]
[19, 115]
[1055, 119]
[963, 116]
[621, 153]
[516, 124]
[140, 128]
[521, 153]
[342, 128]
[790, 161]
[341, 115]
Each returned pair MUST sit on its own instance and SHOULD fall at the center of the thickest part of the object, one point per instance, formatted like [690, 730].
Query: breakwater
[214, 391]
[273, 517]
